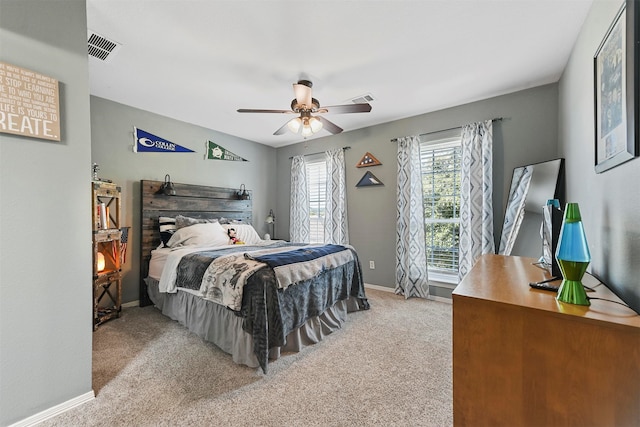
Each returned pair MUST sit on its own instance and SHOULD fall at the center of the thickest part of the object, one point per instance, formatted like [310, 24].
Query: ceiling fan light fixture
[294, 125]
[306, 130]
[315, 124]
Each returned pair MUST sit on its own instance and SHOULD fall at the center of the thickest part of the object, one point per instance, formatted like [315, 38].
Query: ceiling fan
[303, 104]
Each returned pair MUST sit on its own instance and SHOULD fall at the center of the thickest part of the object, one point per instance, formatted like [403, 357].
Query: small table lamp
[271, 219]
[573, 257]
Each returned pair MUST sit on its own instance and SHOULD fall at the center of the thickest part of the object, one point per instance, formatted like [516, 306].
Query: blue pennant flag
[147, 142]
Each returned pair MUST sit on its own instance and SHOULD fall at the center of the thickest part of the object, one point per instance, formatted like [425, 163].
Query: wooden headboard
[196, 201]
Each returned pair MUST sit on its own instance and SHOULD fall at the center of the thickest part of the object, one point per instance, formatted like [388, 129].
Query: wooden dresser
[522, 358]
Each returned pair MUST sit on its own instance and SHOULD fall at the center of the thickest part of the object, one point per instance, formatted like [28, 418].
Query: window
[317, 182]
[440, 163]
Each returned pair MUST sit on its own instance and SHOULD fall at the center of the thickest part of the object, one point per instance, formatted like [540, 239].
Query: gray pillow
[185, 221]
[223, 220]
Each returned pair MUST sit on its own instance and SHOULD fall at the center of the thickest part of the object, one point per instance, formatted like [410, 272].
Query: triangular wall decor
[368, 179]
[368, 160]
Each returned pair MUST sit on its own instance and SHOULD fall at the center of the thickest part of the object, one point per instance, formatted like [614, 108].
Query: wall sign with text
[29, 103]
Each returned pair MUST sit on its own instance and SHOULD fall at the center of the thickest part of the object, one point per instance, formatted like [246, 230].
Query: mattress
[156, 264]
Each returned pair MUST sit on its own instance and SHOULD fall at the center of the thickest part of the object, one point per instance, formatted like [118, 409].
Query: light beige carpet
[389, 366]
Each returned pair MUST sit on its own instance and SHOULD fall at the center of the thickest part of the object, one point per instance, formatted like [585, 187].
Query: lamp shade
[573, 257]
[316, 125]
[306, 130]
[243, 194]
[271, 218]
[294, 125]
[100, 262]
[167, 187]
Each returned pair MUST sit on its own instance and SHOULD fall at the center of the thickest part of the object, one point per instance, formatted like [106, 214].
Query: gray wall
[610, 201]
[112, 148]
[45, 220]
[527, 134]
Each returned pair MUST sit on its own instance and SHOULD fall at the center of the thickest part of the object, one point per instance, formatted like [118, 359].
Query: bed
[254, 300]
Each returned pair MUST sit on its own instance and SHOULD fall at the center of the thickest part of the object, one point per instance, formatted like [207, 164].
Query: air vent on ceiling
[101, 47]
[363, 99]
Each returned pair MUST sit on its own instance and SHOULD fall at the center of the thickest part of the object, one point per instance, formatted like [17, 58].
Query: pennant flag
[147, 142]
[218, 152]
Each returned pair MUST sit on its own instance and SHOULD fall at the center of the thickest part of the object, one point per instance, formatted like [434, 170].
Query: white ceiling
[200, 60]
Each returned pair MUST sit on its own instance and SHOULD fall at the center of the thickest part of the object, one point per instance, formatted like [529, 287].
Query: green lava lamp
[573, 257]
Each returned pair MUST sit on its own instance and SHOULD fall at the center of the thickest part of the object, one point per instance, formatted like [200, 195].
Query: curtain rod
[497, 119]
[320, 152]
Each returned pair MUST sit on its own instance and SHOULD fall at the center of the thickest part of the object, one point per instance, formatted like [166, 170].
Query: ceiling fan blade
[303, 94]
[253, 110]
[282, 130]
[329, 126]
[349, 108]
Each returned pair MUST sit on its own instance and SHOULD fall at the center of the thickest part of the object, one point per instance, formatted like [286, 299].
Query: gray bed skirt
[220, 326]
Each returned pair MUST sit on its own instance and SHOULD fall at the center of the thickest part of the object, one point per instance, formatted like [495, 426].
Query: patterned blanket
[227, 270]
[235, 278]
[223, 281]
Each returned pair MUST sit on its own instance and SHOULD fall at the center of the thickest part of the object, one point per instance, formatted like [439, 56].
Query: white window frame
[441, 140]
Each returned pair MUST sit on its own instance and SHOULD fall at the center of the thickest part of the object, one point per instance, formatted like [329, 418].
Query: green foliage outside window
[441, 189]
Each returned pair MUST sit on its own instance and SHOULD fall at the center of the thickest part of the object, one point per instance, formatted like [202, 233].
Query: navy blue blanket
[279, 259]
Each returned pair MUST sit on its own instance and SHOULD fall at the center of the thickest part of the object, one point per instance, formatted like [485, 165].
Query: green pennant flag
[218, 152]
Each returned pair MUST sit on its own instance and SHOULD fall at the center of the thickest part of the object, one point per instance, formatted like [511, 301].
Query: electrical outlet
[372, 265]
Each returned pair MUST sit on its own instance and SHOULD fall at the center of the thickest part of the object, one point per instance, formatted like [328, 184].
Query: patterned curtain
[515, 208]
[299, 231]
[476, 207]
[335, 221]
[411, 257]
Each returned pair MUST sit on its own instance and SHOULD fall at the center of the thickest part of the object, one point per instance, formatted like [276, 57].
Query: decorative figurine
[95, 168]
[234, 239]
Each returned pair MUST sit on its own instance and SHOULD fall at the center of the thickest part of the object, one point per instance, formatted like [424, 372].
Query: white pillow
[245, 233]
[206, 234]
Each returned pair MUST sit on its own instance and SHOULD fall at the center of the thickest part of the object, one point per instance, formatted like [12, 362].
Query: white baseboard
[55, 410]
[135, 303]
[392, 290]
[379, 288]
[441, 299]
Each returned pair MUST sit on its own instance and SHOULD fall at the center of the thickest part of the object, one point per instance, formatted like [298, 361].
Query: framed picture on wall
[616, 91]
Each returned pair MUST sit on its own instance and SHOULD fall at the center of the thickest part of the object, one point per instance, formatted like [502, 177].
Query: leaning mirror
[531, 187]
